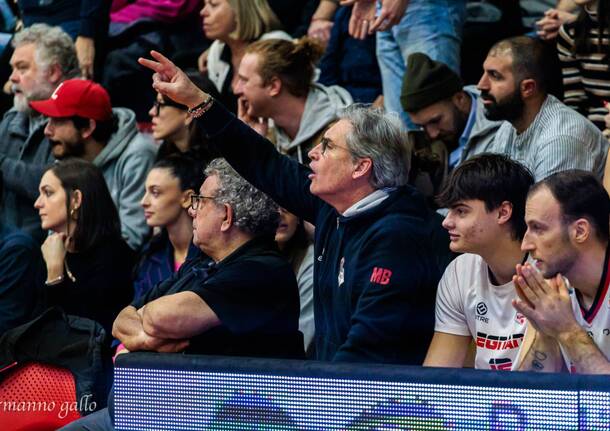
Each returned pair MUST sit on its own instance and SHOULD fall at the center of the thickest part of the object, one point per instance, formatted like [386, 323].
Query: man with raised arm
[379, 251]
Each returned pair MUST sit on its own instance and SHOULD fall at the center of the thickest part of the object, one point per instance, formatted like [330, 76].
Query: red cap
[77, 97]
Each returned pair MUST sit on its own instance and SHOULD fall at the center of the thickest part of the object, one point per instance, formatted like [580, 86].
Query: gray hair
[53, 47]
[254, 212]
[382, 137]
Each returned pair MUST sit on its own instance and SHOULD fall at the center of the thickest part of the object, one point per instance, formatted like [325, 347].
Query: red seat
[37, 397]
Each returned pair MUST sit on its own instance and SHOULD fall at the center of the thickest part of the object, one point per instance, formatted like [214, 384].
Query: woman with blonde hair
[233, 25]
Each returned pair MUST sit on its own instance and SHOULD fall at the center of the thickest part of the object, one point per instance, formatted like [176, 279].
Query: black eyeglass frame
[157, 106]
[196, 200]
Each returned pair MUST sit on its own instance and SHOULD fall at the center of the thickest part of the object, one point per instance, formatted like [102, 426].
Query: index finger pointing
[162, 62]
[151, 64]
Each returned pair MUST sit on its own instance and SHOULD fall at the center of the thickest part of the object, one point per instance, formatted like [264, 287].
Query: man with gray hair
[43, 58]
[379, 250]
[238, 297]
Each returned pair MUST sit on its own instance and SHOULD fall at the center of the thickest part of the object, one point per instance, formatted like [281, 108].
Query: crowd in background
[383, 181]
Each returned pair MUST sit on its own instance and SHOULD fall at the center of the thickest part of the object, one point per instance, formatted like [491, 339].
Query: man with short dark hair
[540, 131]
[82, 123]
[434, 98]
[567, 302]
[486, 200]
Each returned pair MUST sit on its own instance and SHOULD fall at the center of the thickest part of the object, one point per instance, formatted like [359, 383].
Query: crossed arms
[165, 324]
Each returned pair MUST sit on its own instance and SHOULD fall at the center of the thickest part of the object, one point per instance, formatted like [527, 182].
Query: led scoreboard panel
[179, 392]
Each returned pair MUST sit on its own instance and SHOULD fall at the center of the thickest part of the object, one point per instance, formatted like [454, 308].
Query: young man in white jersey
[567, 234]
[486, 200]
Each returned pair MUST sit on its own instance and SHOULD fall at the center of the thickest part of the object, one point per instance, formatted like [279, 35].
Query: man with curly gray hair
[253, 211]
[237, 297]
[44, 57]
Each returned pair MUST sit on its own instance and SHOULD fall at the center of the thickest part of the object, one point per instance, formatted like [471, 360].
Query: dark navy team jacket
[375, 274]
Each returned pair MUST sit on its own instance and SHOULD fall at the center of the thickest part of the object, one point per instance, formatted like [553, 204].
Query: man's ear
[362, 167]
[505, 212]
[185, 199]
[528, 88]
[55, 74]
[581, 230]
[274, 86]
[228, 220]
[88, 131]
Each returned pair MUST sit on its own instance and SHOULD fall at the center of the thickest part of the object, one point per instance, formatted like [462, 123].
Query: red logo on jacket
[381, 276]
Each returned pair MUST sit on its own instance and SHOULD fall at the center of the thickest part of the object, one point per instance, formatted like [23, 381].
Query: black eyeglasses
[196, 201]
[326, 144]
[157, 106]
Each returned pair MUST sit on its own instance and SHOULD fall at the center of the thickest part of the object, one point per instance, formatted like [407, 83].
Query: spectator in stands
[379, 252]
[83, 124]
[540, 131]
[176, 130]
[233, 24]
[295, 244]
[567, 234]
[169, 187]
[238, 296]
[275, 82]
[44, 56]
[86, 21]
[434, 98]
[21, 277]
[350, 63]
[583, 52]
[404, 27]
[486, 200]
[88, 263]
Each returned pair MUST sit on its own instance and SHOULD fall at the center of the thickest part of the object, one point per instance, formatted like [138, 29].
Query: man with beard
[540, 131]
[83, 124]
[567, 233]
[44, 56]
[434, 98]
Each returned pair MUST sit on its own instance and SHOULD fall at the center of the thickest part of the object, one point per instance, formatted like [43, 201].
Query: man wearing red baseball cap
[82, 123]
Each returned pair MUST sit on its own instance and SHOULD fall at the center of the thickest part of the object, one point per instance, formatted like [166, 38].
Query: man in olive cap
[435, 99]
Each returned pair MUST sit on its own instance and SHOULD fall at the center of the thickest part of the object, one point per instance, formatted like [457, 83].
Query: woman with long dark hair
[584, 53]
[88, 263]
